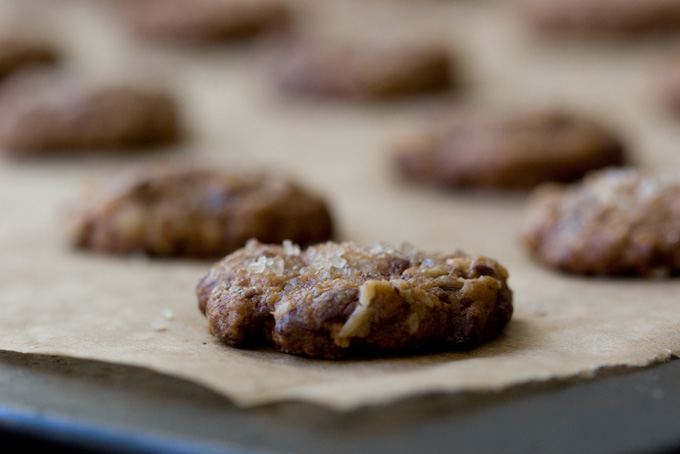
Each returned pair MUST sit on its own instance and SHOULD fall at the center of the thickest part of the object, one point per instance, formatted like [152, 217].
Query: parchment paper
[143, 312]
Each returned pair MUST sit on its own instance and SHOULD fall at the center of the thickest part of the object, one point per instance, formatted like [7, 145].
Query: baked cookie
[56, 117]
[669, 88]
[506, 150]
[173, 210]
[204, 21]
[336, 300]
[605, 17]
[16, 54]
[359, 69]
[616, 222]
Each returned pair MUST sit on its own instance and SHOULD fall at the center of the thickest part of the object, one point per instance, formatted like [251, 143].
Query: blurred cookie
[511, 150]
[54, 117]
[615, 222]
[176, 210]
[359, 69]
[669, 88]
[605, 17]
[19, 53]
[336, 300]
[204, 21]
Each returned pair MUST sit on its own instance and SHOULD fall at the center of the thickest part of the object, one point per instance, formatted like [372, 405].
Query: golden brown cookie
[204, 21]
[178, 210]
[605, 17]
[359, 69]
[50, 116]
[616, 222]
[16, 54]
[506, 150]
[336, 300]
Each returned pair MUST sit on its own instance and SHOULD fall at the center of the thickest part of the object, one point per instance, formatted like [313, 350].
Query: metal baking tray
[76, 405]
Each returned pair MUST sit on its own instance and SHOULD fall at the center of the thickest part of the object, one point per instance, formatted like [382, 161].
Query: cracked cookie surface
[334, 300]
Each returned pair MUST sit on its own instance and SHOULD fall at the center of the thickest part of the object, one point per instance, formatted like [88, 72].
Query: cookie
[616, 222]
[337, 300]
[53, 117]
[605, 17]
[359, 69]
[511, 150]
[668, 87]
[179, 210]
[204, 21]
[16, 54]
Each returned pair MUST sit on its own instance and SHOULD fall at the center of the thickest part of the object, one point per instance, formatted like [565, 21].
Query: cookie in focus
[337, 300]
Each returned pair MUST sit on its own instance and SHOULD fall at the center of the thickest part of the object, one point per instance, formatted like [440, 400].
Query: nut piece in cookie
[359, 68]
[43, 116]
[506, 150]
[604, 17]
[185, 211]
[204, 21]
[17, 54]
[616, 222]
[335, 300]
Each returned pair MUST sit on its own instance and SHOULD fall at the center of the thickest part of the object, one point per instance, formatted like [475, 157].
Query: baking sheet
[143, 312]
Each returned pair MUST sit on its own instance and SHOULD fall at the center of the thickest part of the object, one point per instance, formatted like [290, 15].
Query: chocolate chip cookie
[49, 116]
[204, 21]
[616, 222]
[506, 150]
[179, 210]
[605, 17]
[16, 54]
[359, 68]
[335, 300]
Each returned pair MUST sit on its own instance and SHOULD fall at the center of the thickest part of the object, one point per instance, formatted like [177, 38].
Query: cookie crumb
[168, 313]
[159, 325]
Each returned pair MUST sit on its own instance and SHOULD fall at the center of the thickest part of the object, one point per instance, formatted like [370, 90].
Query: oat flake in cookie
[185, 211]
[359, 69]
[46, 116]
[617, 222]
[505, 150]
[335, 300]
